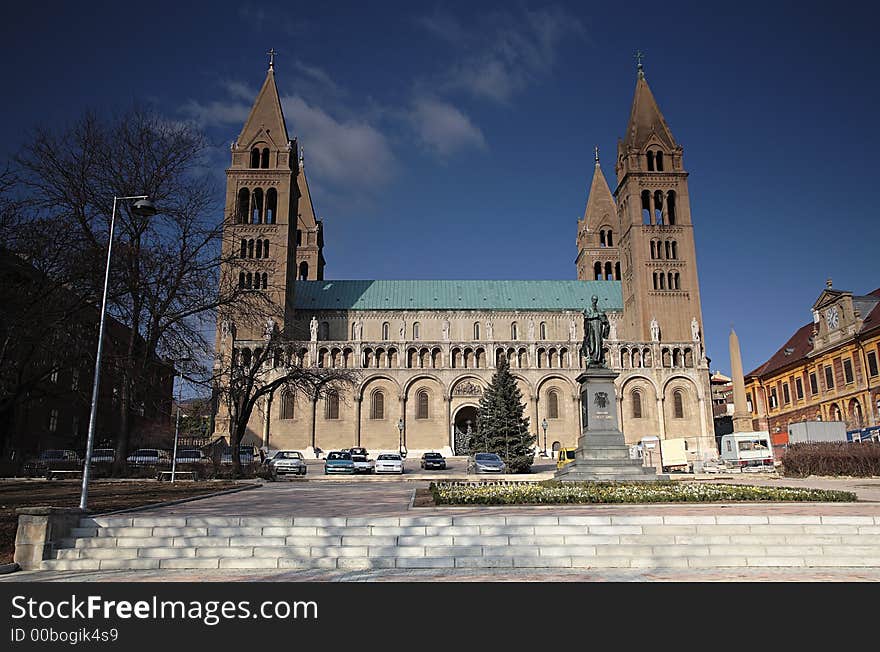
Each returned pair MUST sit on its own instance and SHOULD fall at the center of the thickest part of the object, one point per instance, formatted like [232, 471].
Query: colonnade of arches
[256, 207]
[659, 207]
[607, 271]
[666, 280]
[642, 357]
[253, 248]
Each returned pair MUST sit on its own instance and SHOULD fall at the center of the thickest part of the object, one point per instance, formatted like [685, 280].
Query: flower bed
[562, 493]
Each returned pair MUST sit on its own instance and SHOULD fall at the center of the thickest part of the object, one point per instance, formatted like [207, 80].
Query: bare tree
[247, 377]
[164, 279]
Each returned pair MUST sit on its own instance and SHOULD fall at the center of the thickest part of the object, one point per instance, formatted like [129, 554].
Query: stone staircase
[526, 541]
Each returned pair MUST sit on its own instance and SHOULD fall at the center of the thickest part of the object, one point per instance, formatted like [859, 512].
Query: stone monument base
[602, 454]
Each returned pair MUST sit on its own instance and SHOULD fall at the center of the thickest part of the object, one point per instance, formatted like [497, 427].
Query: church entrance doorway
[465, 423]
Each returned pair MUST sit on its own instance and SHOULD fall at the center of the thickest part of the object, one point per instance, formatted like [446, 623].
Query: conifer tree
[501, 426]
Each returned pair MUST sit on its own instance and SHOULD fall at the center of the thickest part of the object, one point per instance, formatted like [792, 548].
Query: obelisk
[742, 419]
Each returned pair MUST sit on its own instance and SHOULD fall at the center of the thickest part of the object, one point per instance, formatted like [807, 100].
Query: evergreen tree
[501, 426]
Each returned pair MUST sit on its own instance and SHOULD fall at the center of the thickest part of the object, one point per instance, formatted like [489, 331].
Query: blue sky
[455, 140]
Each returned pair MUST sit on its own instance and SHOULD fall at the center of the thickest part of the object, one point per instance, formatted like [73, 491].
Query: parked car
[192, 460]
[362, 461]
[149, 457]
[389, 463]
[286, 463]
[103, 455]
[53, 460]
[338, 462]
[485, 463]
[432, 461]
[246, 455]
[566, 456]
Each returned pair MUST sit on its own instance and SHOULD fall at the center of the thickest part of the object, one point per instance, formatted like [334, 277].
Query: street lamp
[177, 422]
[144, 208]
[400, 436]
[544, 426]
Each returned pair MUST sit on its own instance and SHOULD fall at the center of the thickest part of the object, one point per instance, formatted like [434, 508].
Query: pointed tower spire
[598, 231]
[645, 119]
[266, 119]
[600, 203]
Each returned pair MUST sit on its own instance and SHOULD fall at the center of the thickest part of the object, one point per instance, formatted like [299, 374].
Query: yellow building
[827, 371]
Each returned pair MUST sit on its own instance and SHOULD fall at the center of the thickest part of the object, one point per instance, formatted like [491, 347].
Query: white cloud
[340, 152]
[216, 113]
[502, 52]
[443, 128]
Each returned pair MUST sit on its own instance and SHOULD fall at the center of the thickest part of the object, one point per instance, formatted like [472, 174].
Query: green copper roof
[456, 295]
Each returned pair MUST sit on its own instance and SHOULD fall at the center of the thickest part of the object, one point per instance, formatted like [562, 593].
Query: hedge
[561, 493]
[832, 458]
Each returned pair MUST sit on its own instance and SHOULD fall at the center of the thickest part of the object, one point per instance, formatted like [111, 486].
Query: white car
[287, 463]
[389, 463]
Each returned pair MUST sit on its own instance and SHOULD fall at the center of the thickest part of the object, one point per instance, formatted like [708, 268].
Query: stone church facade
[425, 350]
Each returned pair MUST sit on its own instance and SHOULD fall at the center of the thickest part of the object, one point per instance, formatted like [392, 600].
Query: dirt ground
[106, 496]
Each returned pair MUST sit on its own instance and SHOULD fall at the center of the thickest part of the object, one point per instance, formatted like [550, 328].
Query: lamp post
[544, 426]
[145, 208]
[400, 436]
[177, 422]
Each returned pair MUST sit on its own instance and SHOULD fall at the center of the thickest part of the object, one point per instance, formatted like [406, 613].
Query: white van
[747, 450]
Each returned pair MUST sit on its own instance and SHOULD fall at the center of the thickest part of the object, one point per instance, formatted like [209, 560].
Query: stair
[133, 542]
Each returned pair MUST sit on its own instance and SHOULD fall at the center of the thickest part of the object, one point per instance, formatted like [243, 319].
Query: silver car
[485, 463]
[287, 463]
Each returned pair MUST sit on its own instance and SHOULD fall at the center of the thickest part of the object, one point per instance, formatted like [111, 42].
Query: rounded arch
[466, 378]
[362, 388]
[525, 382]
[408, 385]
[643, 378]
[691, 384]
[539, 386]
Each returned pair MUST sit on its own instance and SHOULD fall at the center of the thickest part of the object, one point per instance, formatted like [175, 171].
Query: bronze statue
[596, 329]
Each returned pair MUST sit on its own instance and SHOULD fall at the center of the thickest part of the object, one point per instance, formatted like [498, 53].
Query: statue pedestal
[602, 453]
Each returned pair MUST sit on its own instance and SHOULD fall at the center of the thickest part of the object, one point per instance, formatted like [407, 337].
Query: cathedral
[426, 350]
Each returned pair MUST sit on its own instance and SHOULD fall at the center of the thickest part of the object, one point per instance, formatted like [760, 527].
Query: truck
[673, 454]
[806, 431]
[362, 461]
[748, 450]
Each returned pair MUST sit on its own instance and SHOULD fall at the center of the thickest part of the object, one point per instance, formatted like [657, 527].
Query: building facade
[426, 350]
[827, 371]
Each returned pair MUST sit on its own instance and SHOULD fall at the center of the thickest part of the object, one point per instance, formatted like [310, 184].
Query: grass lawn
[103, 497]
[567, 493]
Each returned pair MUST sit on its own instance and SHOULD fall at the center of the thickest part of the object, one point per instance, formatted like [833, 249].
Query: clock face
[832, 317]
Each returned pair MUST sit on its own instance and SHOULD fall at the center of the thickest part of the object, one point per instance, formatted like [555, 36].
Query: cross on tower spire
[596, 150]
[638, 57]
[272, 54]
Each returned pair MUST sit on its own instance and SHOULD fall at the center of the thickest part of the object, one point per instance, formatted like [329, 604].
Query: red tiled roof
[798, 345]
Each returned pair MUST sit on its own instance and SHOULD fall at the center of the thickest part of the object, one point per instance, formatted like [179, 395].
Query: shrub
[832, 458]
[560, 493]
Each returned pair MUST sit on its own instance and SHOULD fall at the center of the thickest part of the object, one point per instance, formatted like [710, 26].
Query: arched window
[264, 159]
[249, 281]
[659, 161]
[513, 331]
[650, 156]
[636, 397]
[265, 248]
[244, 202]
[422, 404]
[670, 206]
[303, 271]
[552, 405]
[668, 249]
[271, 205]
[377, 405]
[386, 329]
[656, 286]
[287, 405]
[543, 330]
[259, 249]
[662, 278]
[243, 252]
[331, 405]
[674, 250]
[476, 330]
[658, 207]
[602, 238]
[609, 276]
[678, 404]
[597, 271]
[255, 158]
[675, 278]
[609, 238]
[646, 207]
[250, 249]
[241, 280]
[257, 207]
[617, 270]
[671, 284]
[653, 249]
[265, 280]
[416, 329]
[299, 237]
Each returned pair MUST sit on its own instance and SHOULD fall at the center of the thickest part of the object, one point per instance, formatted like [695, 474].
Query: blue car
[338, 462]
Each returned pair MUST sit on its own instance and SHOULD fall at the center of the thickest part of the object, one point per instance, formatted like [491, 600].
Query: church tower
[262, 195]
[309, 233]
[657, 251]
[598, 257]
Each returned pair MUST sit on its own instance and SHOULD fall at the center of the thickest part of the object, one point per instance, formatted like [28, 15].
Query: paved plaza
[367, 497]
